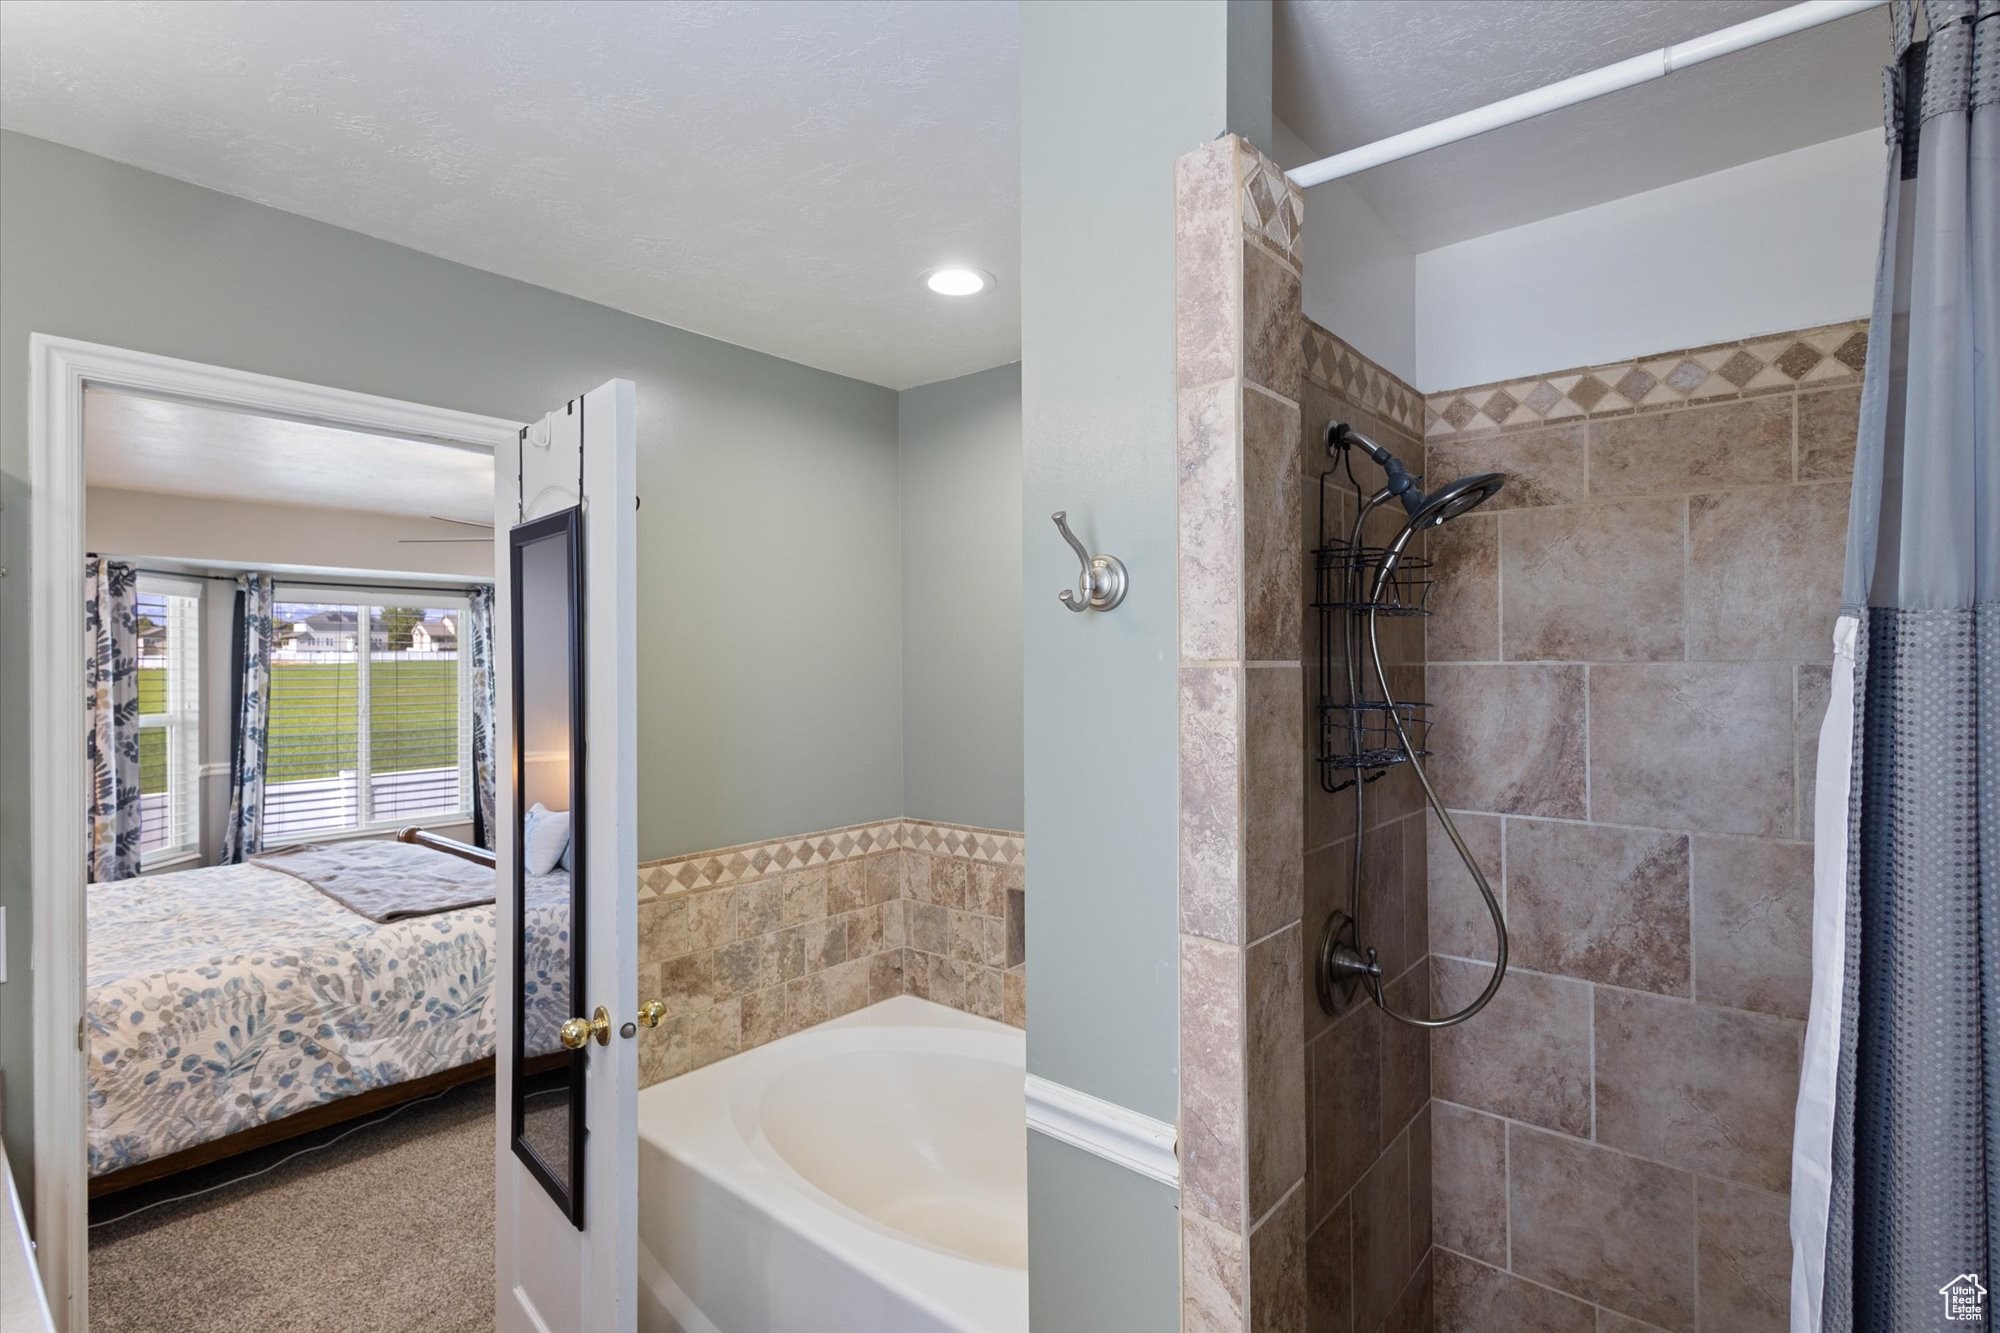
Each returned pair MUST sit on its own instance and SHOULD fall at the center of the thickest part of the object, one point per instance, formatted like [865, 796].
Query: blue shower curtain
[256, 600]
[111, 718]
[1896, 1161]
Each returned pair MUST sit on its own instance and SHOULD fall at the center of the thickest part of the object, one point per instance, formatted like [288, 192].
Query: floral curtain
[479, 640]
[111, 722]
[243, 836]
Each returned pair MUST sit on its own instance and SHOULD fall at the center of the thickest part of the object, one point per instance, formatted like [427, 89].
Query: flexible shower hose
[1371, 973]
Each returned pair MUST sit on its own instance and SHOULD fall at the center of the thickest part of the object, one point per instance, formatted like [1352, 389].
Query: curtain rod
[180, 574]
[1581, 88]
[351, 585]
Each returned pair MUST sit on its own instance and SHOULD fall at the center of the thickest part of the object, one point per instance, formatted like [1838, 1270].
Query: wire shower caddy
[1358, 735]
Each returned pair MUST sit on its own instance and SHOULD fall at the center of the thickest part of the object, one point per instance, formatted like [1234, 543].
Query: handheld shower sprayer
[1342, 965]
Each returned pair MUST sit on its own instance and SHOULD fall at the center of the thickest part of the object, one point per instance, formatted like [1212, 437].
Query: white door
[566, 1182]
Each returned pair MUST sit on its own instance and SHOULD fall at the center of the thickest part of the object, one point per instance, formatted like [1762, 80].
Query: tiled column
[1239, 360]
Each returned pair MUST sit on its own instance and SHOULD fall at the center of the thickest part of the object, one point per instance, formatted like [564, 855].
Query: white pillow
[546, 840]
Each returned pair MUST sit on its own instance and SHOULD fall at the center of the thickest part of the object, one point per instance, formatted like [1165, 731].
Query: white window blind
[370, 713]
[169, 615]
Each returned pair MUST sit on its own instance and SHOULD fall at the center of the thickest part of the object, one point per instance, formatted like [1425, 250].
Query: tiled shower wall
[1367, 1077]
[748, 944]
[1627, 669]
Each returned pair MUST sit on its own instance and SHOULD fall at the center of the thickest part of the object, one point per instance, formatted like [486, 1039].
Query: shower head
[1459, 497]
[1425, 510]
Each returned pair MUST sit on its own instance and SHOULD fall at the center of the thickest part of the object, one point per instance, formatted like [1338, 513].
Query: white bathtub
[868, 1175]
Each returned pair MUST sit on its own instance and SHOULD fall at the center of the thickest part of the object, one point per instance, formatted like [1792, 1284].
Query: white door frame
[60, 368]
[552, 1274]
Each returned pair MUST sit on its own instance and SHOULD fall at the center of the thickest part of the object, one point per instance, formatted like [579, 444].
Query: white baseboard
[1115, 1133]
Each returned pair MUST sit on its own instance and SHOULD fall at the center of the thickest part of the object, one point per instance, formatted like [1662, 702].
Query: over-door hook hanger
[1101, 585]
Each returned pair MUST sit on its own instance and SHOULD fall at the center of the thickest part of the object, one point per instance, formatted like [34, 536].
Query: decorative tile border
[1334, 364]
[1830, 355]
[974, 844]
[754, 860]
[1272, 205]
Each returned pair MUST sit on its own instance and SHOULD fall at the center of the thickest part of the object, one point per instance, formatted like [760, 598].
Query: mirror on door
[549, 870]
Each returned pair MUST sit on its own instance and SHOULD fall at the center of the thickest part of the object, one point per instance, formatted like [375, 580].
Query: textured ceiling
[775, 176]
[1349, 72]
[167, 447]
[779, 176]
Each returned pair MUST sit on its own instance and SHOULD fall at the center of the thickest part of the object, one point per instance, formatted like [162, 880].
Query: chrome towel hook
[1101, 585]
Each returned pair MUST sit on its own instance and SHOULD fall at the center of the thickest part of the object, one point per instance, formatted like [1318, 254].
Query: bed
[233, 1006]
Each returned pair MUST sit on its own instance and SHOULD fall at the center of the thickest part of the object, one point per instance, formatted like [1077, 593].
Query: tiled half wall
[1628, 667]
[748, 944]
[1239, 367]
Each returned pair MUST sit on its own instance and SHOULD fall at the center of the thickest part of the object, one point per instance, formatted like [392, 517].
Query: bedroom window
[370, 714]
[169, 615]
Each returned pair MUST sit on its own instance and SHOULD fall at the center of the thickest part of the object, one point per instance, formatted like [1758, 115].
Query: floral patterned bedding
[227, 997]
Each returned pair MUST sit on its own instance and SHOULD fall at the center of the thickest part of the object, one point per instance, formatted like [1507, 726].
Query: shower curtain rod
[361, 582]
[1581, 88]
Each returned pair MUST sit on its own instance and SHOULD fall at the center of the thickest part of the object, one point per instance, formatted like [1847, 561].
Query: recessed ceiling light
[957, 280]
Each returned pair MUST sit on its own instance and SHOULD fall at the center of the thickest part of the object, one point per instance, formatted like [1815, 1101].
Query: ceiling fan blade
[462, 522]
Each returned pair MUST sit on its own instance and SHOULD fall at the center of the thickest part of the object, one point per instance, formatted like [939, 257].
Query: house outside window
[169, 615]
[370, 713]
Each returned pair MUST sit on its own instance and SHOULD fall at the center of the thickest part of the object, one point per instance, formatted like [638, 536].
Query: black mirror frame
[568, 525]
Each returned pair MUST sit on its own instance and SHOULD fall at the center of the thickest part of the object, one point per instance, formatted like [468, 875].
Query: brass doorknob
[577, 1032]
[652, 1013]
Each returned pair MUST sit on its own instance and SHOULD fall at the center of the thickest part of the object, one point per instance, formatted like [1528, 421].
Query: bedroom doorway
[174, 505]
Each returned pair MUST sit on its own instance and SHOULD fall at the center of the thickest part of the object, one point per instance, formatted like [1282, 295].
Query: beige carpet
[387, 1230]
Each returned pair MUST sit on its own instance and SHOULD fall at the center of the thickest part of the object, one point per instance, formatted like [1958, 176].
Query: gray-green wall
[1104, 1244]
[769, 548]
[1111, 95]
[961, 472]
